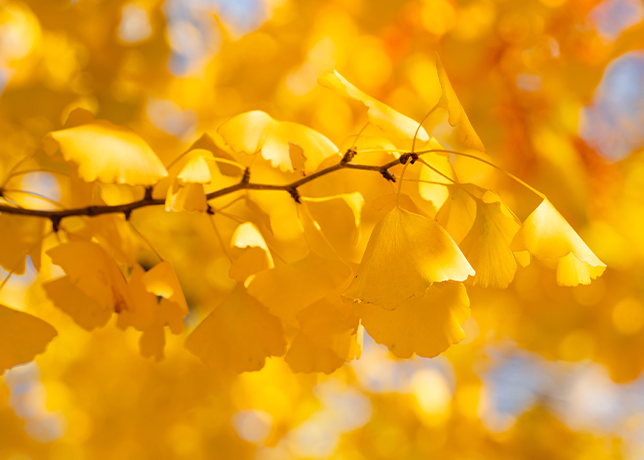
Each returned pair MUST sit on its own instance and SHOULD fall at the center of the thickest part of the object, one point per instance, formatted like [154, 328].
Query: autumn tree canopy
[323, 229]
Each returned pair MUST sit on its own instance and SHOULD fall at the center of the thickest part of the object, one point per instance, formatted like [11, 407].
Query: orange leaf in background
[107, 153]
[22, 337]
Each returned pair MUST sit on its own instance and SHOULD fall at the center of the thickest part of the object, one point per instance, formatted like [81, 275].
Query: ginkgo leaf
[305, 356]
[288, 289]
[144, 308]
[238, 335]
[547, 235]
[107, 153]
[187, 193]
[187, 197]
[458, 213]
[22, 337]
[405, 255]
[354, 201]
[83, 309]
[256, 131]
[385, 203]
[114, 233]
[441, 173]
[381, 115]
[162, 281]
[426, 326]
[487, 245]
[330, 335]
[255, 256]
[92, 270]
[152, 341]
[195, 171]
[20, 236]
[457, 116]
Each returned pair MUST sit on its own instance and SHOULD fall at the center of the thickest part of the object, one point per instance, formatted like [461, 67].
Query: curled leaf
[380, 114]
[256, 131]
[457, 116]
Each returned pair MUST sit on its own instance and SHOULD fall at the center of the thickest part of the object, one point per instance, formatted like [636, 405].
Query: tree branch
[90, 211]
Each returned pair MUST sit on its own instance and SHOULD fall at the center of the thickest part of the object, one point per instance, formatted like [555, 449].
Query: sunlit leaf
[405, 255]
[107, 153]
[380, 114]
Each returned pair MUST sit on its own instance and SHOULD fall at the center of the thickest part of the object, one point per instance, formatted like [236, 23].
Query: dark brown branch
[126, 209]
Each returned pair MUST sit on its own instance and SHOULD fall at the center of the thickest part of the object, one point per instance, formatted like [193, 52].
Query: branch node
[55, 223]
[348, 156]
[387, 175]
[210, 211]
[295, 195]
[404, 158]
[148, 194]
[128, 214]
[91, 211]
[414, 157]
[246, 177]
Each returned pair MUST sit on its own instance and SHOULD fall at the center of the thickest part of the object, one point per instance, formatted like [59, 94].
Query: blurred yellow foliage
[365, 248]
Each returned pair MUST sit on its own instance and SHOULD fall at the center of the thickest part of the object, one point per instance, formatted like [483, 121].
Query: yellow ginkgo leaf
[305, 356]
[255, 256]
[22, 337]
[113, 232]
[405, 255]
[330, 335]
[381, 115]
[288, 289]
[107, 153]
[426, 326]
[256, 131]
[436, 192]
[143, 310]
[187, 193]
[458, 213]
[238, 335]
[162, 281]
[92, 270]
[547, 235]
[457, 116]
[20, 236]
[84, 310]
[487, 245]
[195, 171]
[152, 341]
[385, 203]
[353, 200]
